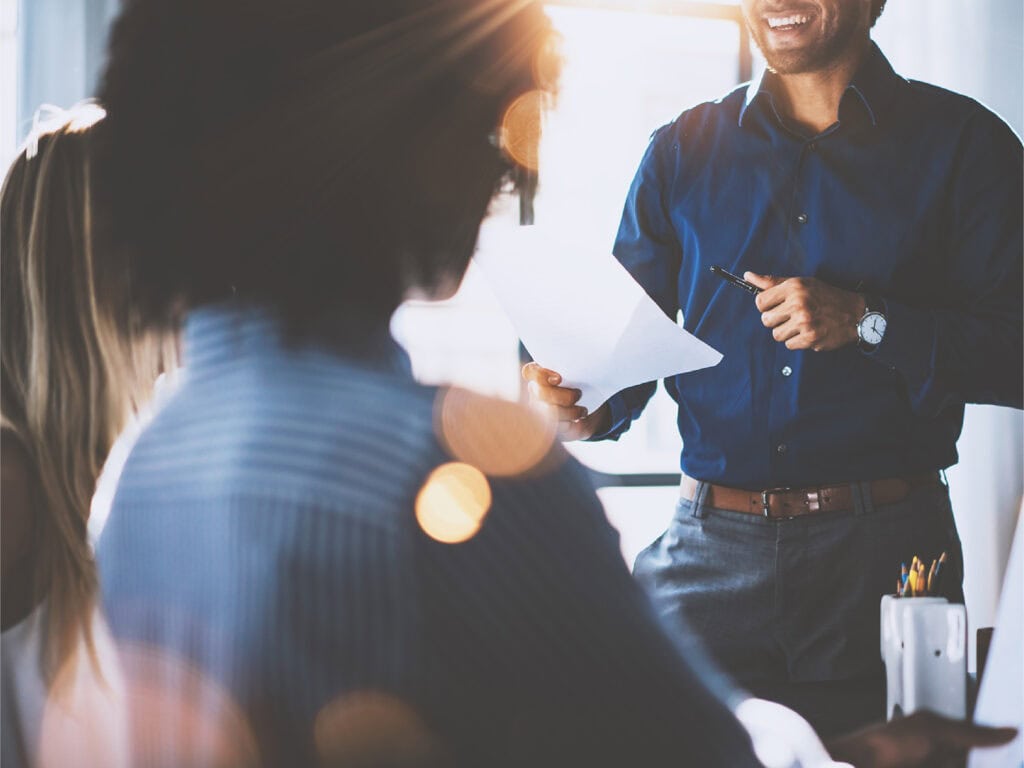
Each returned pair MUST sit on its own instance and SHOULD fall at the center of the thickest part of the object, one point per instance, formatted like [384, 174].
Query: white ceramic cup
[924, 647]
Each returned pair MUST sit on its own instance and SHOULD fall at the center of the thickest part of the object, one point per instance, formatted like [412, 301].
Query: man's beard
[821, 55]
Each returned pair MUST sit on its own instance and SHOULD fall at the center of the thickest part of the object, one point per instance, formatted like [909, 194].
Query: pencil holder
[924, 648]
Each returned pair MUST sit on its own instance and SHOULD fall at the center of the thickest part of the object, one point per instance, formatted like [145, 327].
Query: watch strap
[873, 303]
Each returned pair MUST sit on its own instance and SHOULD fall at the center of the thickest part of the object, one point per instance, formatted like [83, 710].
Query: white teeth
[788, 21]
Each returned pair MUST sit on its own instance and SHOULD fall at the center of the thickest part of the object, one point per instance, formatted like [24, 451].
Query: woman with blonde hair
[72, 373]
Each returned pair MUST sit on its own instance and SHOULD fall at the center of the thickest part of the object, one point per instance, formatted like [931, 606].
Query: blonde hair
[73, 368]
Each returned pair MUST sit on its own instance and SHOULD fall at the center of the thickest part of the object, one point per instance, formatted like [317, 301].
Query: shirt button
[781, 448]
[802, 218]
[786, 371]
[812, 146]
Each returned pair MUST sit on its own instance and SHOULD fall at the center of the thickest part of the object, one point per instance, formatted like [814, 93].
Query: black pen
[739, 282]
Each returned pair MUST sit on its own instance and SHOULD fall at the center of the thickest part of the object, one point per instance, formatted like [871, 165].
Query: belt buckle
[764, 498]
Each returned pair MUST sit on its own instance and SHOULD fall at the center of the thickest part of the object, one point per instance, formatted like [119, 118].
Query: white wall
[971, 46]
[975, 47]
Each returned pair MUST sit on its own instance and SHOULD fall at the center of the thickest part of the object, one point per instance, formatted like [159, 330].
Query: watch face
[872, 327]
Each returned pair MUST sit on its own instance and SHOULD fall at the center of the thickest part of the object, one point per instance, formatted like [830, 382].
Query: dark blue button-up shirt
[914, 195]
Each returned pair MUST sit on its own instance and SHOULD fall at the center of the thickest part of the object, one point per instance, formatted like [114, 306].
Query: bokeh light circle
[453, 502]
[521, 127]
[180, 716]
[501, 438]
[373, 728]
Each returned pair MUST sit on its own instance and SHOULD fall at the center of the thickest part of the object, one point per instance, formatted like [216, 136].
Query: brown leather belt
[784, 503]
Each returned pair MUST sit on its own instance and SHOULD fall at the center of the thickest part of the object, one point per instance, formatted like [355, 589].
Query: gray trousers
[790, 608]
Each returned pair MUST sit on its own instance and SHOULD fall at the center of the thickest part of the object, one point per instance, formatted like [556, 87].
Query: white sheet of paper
[581, 313]
[1001, 698]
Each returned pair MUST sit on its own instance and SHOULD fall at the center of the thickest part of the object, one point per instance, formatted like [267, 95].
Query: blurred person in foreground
[73, 372]
[311, 558]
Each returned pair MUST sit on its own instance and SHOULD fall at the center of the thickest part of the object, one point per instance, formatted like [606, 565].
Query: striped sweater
[272, 574]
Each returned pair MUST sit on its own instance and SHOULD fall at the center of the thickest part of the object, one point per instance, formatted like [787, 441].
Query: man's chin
[794, 62]
[787, 65]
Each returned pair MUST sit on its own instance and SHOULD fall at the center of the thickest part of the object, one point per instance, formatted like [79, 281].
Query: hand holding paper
[583, 315]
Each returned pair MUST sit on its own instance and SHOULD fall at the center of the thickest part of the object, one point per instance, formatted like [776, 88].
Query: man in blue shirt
[881, 219]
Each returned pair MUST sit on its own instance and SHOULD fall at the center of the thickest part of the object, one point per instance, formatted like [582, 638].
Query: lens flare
[520, 128]
[179, 716]
[548, 64]
[501, 438]
[453, 502]
[85, 717]
[371, 728]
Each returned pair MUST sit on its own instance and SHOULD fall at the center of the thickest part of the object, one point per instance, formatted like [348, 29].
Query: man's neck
[811, 99]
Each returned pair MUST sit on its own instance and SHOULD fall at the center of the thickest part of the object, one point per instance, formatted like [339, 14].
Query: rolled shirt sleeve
[625, 407]
[971, 349]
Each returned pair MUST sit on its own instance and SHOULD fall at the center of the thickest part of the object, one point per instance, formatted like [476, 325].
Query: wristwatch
[871, 326]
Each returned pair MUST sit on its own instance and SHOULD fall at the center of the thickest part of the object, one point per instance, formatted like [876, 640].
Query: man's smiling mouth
[784, 23]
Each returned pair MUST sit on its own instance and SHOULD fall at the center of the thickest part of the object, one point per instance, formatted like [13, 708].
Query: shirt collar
[872, 86]
[217, 334]
[757, 88]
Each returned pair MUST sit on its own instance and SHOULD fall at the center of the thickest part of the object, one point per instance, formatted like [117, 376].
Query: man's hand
[805, 313]
[922, 739]
[574, 423]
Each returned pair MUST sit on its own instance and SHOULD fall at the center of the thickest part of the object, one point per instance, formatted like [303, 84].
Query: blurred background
[630, 66]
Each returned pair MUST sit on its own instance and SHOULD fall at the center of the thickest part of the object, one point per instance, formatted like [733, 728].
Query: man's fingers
[785, 332]
[569, 414]
[979, 736]
[772, 292]
[959, 733]
[770, 298]
[587, 427]
[543, 386]
[574, 430]
[950, 737]
[800, 342]
[558, 396]
[530, 371]
[764, 282]
[535, 372]
[774, 318]
[921, 739]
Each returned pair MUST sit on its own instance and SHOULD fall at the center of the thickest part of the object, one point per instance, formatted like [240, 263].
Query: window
[8, 81]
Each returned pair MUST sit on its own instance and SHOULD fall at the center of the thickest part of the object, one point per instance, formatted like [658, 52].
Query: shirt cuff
[619, 419]
[908, 347]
